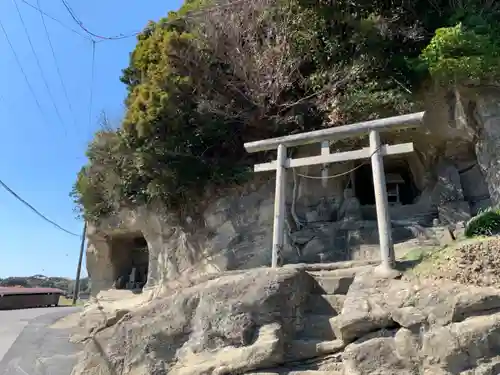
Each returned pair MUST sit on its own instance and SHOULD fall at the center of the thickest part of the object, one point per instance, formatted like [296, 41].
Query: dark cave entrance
[401, 189]
[130, 260]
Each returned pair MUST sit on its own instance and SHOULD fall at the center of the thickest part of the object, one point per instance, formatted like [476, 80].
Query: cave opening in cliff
[401, 188]
[130, 261]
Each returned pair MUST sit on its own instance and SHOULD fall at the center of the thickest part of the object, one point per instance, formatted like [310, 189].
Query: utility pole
[76, 291]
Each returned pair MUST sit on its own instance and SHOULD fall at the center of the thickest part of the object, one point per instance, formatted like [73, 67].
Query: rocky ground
[339, 319]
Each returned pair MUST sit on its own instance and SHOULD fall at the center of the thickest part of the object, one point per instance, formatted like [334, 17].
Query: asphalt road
[28, 346]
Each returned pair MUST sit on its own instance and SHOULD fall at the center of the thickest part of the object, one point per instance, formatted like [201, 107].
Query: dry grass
[466, 262]
[63, 301]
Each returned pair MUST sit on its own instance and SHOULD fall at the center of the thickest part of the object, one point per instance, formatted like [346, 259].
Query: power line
[118, 37]
[22, 71]
[12, 192]
[55, 19]
[39, 65]
[56, 64]
[80, 23]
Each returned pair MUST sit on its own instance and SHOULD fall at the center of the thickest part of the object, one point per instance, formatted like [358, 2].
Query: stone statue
[132, 278]
[350, 208]
[323, 212]
[121, 282]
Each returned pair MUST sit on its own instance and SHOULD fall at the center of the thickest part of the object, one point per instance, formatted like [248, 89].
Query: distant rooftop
[17, 290]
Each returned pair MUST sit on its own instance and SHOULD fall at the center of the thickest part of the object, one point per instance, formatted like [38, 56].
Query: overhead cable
[13, 193]
[101, 37]
[38, 9]
[42, 74]
[130, 35]
[42, 16]
[18, 61]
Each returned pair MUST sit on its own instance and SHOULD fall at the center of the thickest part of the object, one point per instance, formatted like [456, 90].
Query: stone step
[336, 281]
[342, 272]
[332, 285]
[299, 350]
[314, 267]
[325, 304]
[317, 327]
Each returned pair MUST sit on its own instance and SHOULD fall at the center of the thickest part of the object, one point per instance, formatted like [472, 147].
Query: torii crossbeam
[375, 152]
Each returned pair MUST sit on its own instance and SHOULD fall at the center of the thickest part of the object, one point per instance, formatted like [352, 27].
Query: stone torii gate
[375, 152]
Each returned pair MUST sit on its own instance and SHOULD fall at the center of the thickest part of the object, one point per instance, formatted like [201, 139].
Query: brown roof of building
[15, 290]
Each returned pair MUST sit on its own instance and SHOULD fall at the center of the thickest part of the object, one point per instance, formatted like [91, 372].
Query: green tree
[201, 82]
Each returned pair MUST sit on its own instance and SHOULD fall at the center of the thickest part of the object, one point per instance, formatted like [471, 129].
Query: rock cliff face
[338, 319]
[454, 172]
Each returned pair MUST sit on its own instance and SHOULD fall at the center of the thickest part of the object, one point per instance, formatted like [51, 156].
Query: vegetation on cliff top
[207, 78]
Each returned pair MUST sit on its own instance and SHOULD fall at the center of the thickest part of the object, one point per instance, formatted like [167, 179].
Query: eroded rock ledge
[453, 173]
[298, 320]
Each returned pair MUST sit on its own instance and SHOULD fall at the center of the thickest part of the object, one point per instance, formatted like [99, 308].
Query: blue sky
[40, 156]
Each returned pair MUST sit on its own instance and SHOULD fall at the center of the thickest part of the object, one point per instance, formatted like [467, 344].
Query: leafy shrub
[200, 86]
[485, 223]
[460, 53]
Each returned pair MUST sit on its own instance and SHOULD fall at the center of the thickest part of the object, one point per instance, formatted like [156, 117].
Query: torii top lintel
[341, 132]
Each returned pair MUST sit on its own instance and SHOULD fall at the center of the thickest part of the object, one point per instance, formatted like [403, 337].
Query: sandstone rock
[240, 322]
[266, 351]
[487, 146]
[237, 226]
[473, 183]
[264, 321]
[408, 317]
[217, 213]
[106, 310]
[375, 356]
[232, 324]
[225, 234]
[302, 237]
[491, 367]
[299, 350]
[366, 307]
[473, 301]
[408, 347]
[462, 346]
[448, 329]
[372, 304]
[320, 243]
[454, 212]
[350, 327]
[311, 251]
[448, 186]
